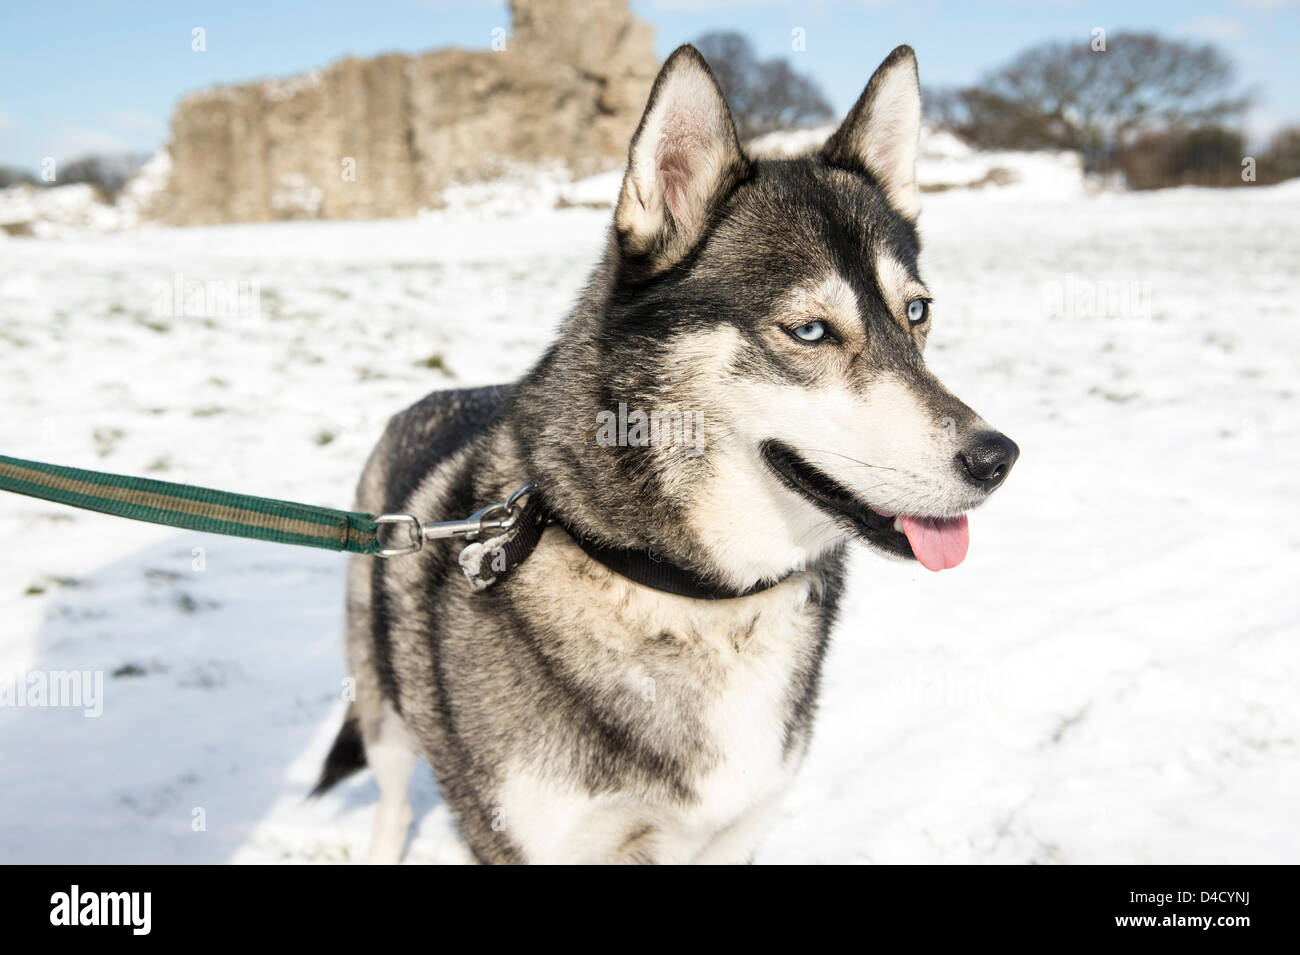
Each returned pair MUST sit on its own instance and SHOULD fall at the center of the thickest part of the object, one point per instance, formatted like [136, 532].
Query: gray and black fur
[573, 715]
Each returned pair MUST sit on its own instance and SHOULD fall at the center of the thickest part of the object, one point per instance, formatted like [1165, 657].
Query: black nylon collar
[645, 568]
[639, 566]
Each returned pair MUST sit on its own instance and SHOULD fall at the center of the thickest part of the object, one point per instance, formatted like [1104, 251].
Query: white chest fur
[747, 720]
[727, 676]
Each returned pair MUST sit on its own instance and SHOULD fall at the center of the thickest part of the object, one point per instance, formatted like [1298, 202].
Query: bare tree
[10, 176]
[1200, 156]
[1066, 95]
[108, 174]
[764, 95]
[1282, 158]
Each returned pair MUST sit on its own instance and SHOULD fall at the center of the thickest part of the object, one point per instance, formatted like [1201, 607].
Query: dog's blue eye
[812, 332]
[918, 310]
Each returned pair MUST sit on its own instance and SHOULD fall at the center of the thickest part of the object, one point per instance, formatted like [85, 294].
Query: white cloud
[701, 6]
[6, 123]
[1213, 28]
[121, 132]
[133, 121]
[1261, 122]
[73, 143]
[1269, 4]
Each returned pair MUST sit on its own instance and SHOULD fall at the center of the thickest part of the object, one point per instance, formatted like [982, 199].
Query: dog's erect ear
[684, 159]
[881, 132]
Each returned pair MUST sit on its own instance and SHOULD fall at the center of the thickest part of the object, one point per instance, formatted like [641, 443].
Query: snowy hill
[69, 209]
[1110, 676]
[946, 164]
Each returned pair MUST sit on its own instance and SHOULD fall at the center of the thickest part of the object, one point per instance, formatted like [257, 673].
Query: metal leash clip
[495, 517]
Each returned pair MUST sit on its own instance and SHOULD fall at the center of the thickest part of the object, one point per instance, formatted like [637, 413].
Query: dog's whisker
[839, 454]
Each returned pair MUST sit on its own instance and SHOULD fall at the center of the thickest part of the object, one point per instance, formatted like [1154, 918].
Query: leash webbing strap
[488, 560]
[193, 508]
[285, 522]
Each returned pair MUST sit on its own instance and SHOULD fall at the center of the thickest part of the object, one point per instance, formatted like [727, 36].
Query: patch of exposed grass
[153, 324]
[50, 582]
[106, 439]
[436, 362]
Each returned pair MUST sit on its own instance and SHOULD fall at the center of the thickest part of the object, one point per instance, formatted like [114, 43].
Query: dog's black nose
[988, 458]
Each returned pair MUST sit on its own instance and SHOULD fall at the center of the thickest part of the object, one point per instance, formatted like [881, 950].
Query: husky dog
[576, 710]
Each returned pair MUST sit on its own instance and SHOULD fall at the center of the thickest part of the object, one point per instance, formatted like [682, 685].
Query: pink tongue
[938, 542]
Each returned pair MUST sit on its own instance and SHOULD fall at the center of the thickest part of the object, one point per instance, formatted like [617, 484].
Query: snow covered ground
[1110, 677]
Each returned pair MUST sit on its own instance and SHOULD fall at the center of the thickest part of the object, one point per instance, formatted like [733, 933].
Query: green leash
[197, 508]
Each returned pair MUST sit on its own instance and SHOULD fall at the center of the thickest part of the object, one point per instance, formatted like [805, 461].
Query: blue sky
[103, 75]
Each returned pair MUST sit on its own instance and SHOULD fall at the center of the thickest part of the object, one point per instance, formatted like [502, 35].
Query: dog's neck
[647, 499]
[679, 503]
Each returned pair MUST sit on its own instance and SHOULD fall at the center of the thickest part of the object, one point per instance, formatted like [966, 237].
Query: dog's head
[781, 300]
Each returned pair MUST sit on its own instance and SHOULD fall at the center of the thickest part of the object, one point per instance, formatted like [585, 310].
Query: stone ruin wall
[569, 86]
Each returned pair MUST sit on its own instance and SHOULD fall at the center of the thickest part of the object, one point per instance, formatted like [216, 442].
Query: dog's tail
[346, 756]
